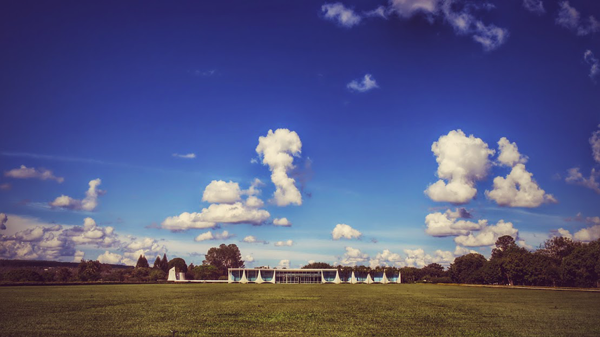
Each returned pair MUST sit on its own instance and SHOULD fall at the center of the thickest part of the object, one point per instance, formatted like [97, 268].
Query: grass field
[326, 310]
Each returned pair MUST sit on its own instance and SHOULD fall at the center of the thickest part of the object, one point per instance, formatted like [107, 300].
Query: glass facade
[283, 276]
[251, 275]
[237, 275]
[378, 277]
[266, 275]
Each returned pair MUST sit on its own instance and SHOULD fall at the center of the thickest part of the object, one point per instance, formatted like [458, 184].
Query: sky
[394, 133]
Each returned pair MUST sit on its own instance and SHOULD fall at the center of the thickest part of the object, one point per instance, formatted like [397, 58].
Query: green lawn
[326, 310]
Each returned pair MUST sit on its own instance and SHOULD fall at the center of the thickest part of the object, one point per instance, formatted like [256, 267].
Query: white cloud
[564, 233]
[488, 235]
[534, 6]
[249, 258]
[3, 220]
[277, 150]
[461, 160]
[284, 264]
[216, 236]
[219, 191]
[185, 156]
[595, 142]
[344, 231]
[380, 11]
[337, 12]
[460, 251]
[186, 221]
[79, 255]
[386, 258]
[284, 243]
[569, 17]
[253, 239]
[518, 189]
[509, 153]
[588, 234]
[110, 258]
[353, 257]
[284, 222]
[443, 224]
[593, 62]
[367, 83]
[418, 257]
[236, 213]
[254, 202]
[408, 8]
[92, 234]
[575, 177]
[89, 203]
[25, 172]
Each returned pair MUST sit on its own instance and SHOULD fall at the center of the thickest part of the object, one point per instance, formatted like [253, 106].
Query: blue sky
[349, 98]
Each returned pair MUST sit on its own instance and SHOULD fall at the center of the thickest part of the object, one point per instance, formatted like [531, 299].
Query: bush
[23, 275]
[157, 274]
[223, 278]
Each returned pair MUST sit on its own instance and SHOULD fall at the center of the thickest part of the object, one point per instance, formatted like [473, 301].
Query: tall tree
[179, 264]
[157, 263]
[223, 257]
[142, 262]
[468, 268]
[318, 265]
[164, 263]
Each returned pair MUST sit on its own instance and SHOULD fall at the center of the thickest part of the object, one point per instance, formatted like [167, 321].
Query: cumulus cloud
[564, 233]
[408, 8]
[253, 239]
[344, 231]
[284, 222]
[488, 235]
[89, 203]
[588, 234]
[185, 156]
[418, 258]
[216, 236]
[284, 264]
[367, 83]
[219, 191]
[593, 62]
[337, 12]
[445, 224]
[534, 6]
[79, 255]
[110, 258]
[25, 172]
[353, 257]
[461, 161]
[509, 153]
[3, 220]
[249, 258]
[91, 234]
[518, 189]
[595, 143]
[575, 177]
[186, 221]
[284, 243]
[277, 150]
[460, 251]
[570, 18]
[236, 213]
[386, 258]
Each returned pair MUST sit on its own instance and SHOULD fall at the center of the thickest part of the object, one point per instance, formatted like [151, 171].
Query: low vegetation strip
[258, 310]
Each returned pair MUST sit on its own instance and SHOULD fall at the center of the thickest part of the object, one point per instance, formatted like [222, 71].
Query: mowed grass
[326, 310]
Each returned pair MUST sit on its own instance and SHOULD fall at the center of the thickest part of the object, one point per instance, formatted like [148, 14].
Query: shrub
[23, 275]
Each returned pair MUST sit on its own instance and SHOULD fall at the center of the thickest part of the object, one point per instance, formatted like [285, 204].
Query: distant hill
[11, 264]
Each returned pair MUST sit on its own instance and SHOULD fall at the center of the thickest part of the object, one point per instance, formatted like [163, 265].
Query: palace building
[304, 276]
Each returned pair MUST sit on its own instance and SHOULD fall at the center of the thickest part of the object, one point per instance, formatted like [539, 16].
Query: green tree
[468, 269]
[224, 257]
[157, 263]
[142, 262]
[157, 274]
[179, 264]
[63, 274]
[580, 268]
[164, 263]
[410, 274]
[511, 259]
[89, 270]
[23, 275]
[318, 265]
[206, 272]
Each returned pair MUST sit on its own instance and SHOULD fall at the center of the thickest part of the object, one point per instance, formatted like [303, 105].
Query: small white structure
[173, 276]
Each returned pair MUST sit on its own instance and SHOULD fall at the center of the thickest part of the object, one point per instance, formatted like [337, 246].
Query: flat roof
[269, 269]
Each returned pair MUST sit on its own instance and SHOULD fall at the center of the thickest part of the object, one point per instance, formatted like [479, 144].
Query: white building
[295, 276]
